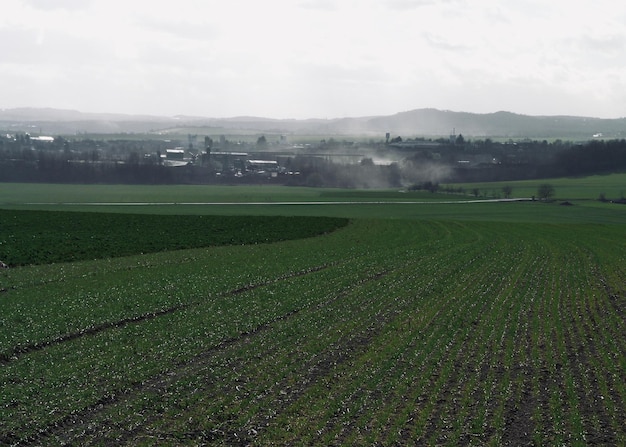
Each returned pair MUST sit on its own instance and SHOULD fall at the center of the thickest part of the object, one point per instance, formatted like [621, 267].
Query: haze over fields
[421, 122]
[321, 59]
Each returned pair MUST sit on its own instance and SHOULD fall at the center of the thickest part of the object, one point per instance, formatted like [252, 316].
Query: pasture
[613, 186]
[414, 324]
[346, 203]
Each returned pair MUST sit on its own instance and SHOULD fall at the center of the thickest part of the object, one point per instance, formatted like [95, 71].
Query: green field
[46, 237]
[287, 201]
[419, 323]
[613, 186]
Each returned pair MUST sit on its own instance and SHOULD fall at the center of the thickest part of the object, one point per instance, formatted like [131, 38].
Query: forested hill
[419, 122]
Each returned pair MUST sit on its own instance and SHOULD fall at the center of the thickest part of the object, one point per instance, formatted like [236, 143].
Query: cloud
[602, 45]
[51, 5]
[320, 5]
[315, 57]
[404, 5]
[444, 43]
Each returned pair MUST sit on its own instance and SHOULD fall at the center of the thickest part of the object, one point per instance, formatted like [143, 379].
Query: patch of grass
[345, 203]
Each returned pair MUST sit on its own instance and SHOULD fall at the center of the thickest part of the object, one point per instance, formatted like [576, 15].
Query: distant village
[389, 161]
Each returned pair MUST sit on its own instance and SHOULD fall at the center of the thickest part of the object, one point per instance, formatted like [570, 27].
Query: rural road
[381, 202]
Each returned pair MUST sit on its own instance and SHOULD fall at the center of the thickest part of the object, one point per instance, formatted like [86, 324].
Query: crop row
[385, 332]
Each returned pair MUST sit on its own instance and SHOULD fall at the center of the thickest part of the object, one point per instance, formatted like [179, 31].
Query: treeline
[535, 160]
[593, 157]
[23, 159]
[414, 162]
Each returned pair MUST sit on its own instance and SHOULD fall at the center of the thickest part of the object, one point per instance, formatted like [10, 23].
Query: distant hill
[420, 122]
[57, 121]
[499, 124]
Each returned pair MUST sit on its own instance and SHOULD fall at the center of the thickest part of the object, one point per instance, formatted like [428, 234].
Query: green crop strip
[44, 237]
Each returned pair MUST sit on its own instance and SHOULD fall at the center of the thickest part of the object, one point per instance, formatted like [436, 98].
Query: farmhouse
[228, 161]
[262, 165]
[43, 139]
[175, 154]
[175, 158]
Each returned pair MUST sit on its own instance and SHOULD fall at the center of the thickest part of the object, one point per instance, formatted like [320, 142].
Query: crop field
[44, 237]
[388, 330]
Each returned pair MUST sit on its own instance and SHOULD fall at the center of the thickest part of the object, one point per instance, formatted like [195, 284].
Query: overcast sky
[314, 58]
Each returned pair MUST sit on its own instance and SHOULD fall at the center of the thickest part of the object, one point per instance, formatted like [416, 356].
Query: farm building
[175, 158]
[262, 165]
[228, 161]
[175, 154]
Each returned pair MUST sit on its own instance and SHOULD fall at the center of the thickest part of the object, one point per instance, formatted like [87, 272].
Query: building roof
[263, 162]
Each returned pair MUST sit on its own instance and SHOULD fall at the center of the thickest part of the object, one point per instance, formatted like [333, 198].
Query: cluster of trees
[597, 156]
[84, 161]
[528, 160]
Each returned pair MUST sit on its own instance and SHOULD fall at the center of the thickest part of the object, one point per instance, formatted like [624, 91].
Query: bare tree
[507, 190]
[545, 191]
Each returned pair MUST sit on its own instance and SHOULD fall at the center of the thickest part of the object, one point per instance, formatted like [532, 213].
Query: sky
[314, 58]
